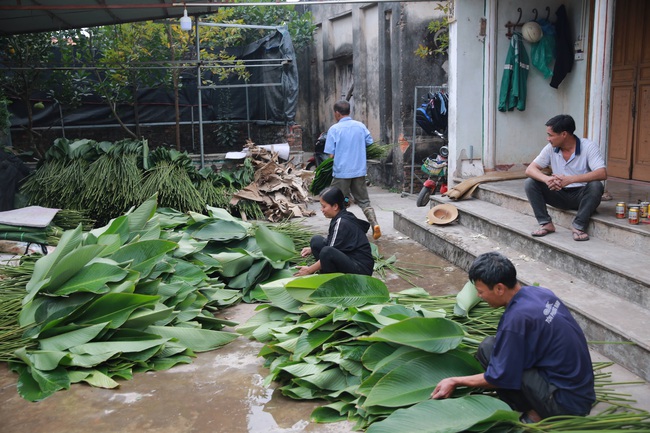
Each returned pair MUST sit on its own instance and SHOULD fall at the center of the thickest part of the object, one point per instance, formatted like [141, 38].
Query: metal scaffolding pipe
[290, 3]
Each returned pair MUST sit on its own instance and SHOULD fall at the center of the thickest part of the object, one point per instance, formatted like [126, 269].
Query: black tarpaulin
[258, 100]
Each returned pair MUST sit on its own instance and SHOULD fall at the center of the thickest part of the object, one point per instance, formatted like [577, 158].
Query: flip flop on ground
[543, 231]
[579, 235]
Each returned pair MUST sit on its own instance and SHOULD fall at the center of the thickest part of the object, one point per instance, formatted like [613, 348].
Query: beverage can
[620, 210]
[633, 215]
[643, 209]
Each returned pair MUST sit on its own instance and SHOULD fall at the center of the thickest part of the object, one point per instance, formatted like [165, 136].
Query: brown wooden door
[629, 134]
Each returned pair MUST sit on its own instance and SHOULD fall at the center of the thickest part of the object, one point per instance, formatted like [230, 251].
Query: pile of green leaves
[137, 294]
[122, 298]
[340, 338]
[376, 357]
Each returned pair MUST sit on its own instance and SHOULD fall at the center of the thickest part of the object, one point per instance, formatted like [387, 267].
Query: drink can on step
[620, 210]
[633, 214]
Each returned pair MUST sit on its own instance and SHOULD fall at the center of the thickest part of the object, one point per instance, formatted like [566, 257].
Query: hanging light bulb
[186, 22]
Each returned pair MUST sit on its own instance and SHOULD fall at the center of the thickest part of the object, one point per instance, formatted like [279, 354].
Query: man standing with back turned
[578, 169]
[346, 143]
[539, 362]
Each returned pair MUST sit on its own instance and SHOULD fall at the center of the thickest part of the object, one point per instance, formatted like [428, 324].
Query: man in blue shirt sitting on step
[575, 183]
[538, 362]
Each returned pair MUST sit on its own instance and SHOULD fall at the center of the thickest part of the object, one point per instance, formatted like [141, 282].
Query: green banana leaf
[73, 338]
[310, 341]
[466, 299]
[351, 290]
[436, 335]
[139, 217]
[117, 346]
[222, 214]
[69, 266]
[300, 288]
[45, 360]
[233, 263]
[304, 369]
[114, 308]
[91, 278]
[446, 416]
[116, 227]
[274, 245]
[218, 230]
[93, 377]
[198, 340]
[144, 255]
[69, 241]
[45, 310]
[415, 380]
[280, 298]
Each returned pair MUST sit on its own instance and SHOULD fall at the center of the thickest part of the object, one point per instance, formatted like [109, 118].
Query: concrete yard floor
[222, 391]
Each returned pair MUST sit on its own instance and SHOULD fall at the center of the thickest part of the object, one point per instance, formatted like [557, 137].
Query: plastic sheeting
[261, 102]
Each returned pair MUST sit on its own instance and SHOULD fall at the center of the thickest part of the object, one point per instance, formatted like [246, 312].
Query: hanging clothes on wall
[542, 53]
[515, 75]
[564, 47]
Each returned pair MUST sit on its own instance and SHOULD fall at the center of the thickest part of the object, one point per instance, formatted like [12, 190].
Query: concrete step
[556, 262]
[603, 225]
[619, 270]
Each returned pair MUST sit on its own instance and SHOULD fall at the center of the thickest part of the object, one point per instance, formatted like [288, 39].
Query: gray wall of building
[371, 47]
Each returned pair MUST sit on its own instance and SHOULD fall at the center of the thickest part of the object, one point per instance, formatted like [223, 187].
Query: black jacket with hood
[347, 234]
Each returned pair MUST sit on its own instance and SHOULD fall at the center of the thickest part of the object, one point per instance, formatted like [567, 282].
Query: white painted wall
[521, 134]
[466, 89]
[510, 140]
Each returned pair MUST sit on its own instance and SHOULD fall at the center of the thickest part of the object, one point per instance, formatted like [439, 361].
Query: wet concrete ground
[221, 391]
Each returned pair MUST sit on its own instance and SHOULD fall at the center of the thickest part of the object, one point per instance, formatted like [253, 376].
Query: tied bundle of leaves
[378, 151]
[212, 193]
[12, 291]
[60, 178]
[170, 177]
[113, 181]
[68, 219]
[322, 176]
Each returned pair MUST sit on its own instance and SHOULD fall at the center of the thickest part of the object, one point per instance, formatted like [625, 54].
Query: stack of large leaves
[339, 338]
[122, 298]
[239, 253]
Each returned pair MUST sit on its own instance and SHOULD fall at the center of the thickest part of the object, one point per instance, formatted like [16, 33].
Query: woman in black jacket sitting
[346, 248]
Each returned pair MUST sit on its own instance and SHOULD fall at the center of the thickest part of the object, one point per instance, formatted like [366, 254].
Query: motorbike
[319, 153]
[436, 170]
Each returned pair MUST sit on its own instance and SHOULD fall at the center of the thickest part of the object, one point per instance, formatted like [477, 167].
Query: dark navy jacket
[347, 234]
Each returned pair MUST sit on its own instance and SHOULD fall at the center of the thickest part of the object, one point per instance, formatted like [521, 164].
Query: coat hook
[535, 12]
[548, 13]
[510, 25]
